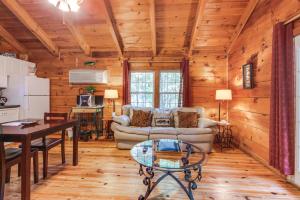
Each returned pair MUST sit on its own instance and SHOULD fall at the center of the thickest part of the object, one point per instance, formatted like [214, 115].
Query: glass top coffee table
[169, 156]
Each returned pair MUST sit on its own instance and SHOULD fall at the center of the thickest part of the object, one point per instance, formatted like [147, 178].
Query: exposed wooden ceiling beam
[198, 18]
[112, 25]
[78, 36]
[155, 61]
[153, 26]
[31, 24]
[12, 41]
[243, 20]
[293, 18]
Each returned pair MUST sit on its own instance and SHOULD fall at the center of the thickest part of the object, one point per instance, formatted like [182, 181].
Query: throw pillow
[199, 110]
[162, 118]
[162, 122]
[187, 119]
[141, 118]
[142, 109]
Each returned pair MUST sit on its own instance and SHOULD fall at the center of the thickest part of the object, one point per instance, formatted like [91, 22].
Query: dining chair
[13, 156]
[10, 157]
[45, 144]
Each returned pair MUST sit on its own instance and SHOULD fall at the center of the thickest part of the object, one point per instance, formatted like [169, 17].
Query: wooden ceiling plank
[12, 41]
[198, 19]
[112, 26]
[78, 36]
[153, 26]
[31, 24]
[243, 20]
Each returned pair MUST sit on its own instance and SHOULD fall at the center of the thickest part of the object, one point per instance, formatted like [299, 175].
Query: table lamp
[223, 95]
[111, 95]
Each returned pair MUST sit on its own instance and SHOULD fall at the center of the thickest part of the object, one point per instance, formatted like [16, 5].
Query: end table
[225, 136]
[107, 121]
[82, 114]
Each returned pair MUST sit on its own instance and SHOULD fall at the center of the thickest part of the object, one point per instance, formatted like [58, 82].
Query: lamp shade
[223, 95]
[111, 94]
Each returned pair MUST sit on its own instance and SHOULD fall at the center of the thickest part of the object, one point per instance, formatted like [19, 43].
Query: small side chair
[10, 157]
[45, 144]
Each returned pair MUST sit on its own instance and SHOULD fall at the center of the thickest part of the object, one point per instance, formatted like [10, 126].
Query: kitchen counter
[9, 106]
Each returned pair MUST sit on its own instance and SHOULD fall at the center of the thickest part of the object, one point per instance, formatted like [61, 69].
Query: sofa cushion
[187, 119]
[162, 136]
[193, 131]
[162, 118]
[141, 118]
[134, 130]
[164, 130]
[199, 110]
[204, 142]
[129, 138]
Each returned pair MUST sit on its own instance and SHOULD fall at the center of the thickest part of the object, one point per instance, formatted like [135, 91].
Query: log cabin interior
[150, 99]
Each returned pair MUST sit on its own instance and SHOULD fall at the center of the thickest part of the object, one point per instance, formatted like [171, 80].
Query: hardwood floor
[105, 172]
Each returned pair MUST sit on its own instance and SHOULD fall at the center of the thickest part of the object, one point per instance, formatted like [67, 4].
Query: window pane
[169, 89]
[133, 87]
[134, 97]
[149, 87]
[142, 89]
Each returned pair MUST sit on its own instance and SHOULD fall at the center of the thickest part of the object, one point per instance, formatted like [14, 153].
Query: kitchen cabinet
[14, 70]
[9, 114]
[13, 66]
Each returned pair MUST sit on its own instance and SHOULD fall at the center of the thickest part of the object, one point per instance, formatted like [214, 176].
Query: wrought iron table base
[149, 175]
[94, 122]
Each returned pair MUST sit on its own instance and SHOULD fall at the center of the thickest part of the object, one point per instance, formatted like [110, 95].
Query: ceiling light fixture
[67, 5]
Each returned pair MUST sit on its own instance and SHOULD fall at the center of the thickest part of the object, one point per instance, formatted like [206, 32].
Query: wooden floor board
[106, 173]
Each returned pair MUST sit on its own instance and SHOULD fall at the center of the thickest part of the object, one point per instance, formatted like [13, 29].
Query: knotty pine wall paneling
[249, 111]
[207, 73]
[63, 95]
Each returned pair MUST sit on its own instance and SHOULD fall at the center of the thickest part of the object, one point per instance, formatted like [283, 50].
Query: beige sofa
[126, 136]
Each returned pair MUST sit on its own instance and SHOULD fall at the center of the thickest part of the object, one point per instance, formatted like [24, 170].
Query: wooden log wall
[249, 111]
[63, 95]
[208, 73]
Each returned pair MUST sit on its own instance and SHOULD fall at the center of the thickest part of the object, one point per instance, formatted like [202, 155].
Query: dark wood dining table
[24, 135]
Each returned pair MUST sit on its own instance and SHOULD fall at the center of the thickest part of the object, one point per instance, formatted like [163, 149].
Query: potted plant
[90, 89]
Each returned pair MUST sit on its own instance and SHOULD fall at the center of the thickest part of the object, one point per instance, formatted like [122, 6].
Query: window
[169, 89]
[142, 89]
[164, 92]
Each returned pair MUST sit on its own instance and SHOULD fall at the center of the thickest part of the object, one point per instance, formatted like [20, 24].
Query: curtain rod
[292, 19]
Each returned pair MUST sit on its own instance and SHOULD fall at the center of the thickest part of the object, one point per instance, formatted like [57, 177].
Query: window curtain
[126, 82]
[282, 107]
[185, 93]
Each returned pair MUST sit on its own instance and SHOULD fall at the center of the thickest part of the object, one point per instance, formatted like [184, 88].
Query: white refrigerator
[31, 93]
[36, 97]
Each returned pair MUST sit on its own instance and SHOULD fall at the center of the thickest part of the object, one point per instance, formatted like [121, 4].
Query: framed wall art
[248, 81]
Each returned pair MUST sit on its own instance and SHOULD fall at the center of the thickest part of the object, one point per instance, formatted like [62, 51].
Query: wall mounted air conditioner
[84, 76]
